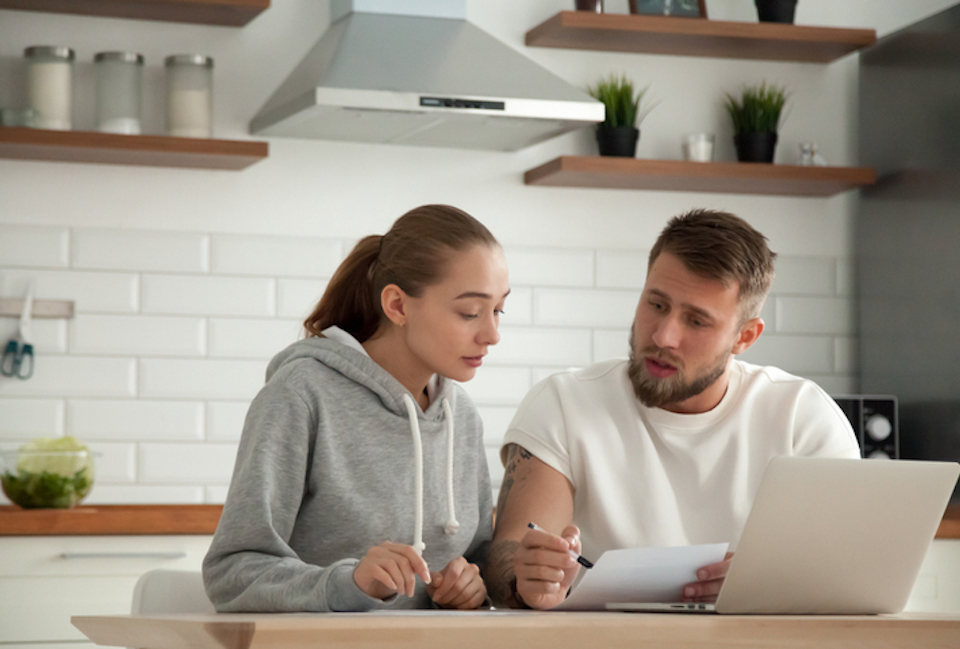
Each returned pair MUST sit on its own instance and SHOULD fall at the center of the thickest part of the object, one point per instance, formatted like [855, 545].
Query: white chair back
[170, 591]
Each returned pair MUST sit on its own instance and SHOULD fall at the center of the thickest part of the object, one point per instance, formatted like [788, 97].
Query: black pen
[583, 562]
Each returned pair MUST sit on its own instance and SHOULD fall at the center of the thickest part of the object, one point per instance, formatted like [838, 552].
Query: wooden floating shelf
[675, 175]
[230, 13]
[584, 30]
[22, 143]
[110, 519]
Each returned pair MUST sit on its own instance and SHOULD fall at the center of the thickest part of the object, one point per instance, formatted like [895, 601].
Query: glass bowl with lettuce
[48, 473]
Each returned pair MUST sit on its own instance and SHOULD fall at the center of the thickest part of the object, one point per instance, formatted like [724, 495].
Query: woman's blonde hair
[413, 255]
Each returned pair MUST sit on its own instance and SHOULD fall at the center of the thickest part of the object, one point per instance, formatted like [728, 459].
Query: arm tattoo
[500, 577]
[515, 455]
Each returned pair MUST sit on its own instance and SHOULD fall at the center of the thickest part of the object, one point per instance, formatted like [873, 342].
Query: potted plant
[756, 120]
[776, 11]
[617, 135]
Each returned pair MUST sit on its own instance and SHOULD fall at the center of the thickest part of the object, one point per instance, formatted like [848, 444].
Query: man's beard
[659, 393]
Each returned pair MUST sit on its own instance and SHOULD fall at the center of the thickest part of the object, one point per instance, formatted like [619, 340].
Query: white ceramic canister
[119, 86]
[50, 85]
[189, 87]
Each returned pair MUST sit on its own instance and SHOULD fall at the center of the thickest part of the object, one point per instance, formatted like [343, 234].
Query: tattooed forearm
[499, 574]
[515, 455]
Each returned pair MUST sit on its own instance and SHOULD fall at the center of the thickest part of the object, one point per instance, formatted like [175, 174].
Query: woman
[361, 467]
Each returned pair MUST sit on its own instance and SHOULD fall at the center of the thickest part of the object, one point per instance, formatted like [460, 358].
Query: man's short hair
[724, 247]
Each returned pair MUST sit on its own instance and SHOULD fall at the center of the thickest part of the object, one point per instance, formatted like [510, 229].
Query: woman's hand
[390, 568]
[710, 580]
[458, 586]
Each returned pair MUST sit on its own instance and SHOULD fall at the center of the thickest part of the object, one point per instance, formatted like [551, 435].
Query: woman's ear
[394, 303]
[749, 333]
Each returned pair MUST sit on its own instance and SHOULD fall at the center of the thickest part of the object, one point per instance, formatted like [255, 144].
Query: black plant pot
[618, 141]
[755, 147]
[595, 6]
[776, 11]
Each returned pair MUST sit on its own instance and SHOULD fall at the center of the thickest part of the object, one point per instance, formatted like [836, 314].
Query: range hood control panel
[451, 102]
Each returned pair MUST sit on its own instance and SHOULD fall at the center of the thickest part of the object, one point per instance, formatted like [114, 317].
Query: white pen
[583, 562]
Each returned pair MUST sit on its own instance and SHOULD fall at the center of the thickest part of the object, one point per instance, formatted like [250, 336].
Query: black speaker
[875, 421]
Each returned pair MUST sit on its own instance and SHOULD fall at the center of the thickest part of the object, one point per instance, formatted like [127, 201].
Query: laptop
[831, 536]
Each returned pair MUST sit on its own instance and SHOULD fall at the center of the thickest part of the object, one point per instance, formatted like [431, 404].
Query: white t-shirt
[646, 477]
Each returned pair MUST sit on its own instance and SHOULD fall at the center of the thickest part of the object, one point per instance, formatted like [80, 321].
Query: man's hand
[544, 567]
[710, 579]
[458, 586]
[390, 568]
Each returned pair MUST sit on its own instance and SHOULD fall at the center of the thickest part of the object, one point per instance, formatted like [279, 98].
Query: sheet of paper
[641, 575]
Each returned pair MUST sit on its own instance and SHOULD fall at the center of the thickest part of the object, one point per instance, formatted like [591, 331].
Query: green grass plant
[758, 108]
[621, 101]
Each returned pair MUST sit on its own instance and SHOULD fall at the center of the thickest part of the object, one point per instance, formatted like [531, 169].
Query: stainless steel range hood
[416, 72]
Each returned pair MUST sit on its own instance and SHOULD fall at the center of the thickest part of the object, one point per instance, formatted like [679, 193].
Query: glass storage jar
[189, 86]
[119, 82]
[50, 85]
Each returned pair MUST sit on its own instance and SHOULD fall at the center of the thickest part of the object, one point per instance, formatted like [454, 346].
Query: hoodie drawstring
[451, 525]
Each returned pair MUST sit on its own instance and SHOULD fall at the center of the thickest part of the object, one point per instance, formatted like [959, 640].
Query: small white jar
[50, 85]
[189, 87]
[119, 83]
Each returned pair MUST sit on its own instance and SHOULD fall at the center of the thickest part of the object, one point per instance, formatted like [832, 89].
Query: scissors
[17, 357]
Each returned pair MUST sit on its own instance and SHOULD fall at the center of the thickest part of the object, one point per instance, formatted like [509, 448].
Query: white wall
[187, 281]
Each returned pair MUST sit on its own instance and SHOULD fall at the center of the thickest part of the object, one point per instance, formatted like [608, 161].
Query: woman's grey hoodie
[326, 470]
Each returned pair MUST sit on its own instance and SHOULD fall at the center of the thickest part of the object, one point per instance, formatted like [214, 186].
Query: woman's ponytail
[348, 301]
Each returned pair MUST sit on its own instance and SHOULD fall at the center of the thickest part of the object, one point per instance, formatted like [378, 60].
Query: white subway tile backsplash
[141, 250]
[846, 355]
[114, 463]
[580, 308]
[846, 277]
[296, 298]
[179, 463]
[798, 315]
[202, 295]
[49, 336]
[225, 420]
[75, 376]
[622, 269]
[550, 267]
[29, 418]
[836, 384]
[496, 420]
[275, 256]
[138, 335]
[200, 379]
[91, 291]
[498, 386]
[541, 345]
[215, 494]
[239, 338]
[135, 419]
[610, 343]
[518, 307]
[805, 276]
[800, 355]
[107, 494]
[25, 245]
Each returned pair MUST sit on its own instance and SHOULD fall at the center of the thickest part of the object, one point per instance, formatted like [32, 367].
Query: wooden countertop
[110, 519]
[185, 519]
[529, 629]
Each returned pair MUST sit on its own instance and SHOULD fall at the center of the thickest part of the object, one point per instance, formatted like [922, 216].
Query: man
[666, 448]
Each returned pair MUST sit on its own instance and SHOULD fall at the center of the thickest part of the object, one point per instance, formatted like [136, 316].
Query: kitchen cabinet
[234, 13]
[45, 580]
[702, 38]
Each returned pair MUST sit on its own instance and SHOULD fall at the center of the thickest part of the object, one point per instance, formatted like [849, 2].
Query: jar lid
[188, 59]
[49, 51]
[121, 57]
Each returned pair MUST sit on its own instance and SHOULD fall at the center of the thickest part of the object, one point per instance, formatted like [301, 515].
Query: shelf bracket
[11, 308]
